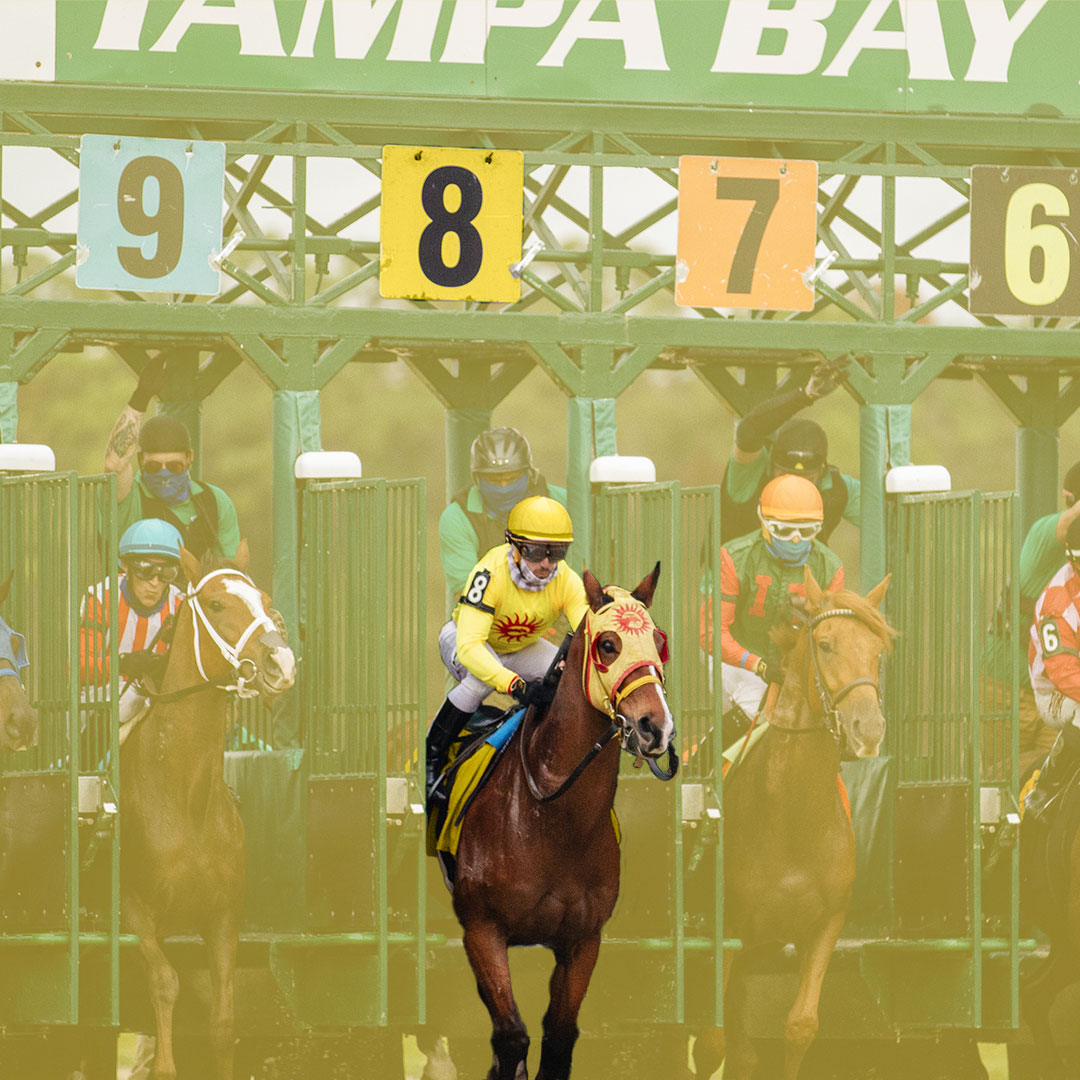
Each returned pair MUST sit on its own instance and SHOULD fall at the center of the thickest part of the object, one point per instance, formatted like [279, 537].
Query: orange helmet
[791, 498]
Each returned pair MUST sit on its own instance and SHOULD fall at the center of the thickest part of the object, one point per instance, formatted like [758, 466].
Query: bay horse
[538, 860]
[182, 840]
[789, 849]
[18, 718]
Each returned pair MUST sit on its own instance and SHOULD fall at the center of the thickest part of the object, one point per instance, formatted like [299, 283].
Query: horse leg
[802, 1021]
[710, 1044]
[1037, 996]
[569, 981]
[486, 949]
[221, 946]
[164, 984]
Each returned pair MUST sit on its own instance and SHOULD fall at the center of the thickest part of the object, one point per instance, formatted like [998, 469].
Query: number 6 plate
[451, 223]
[149, 214]
[746, 233]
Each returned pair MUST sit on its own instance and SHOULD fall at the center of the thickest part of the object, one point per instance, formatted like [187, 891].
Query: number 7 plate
[747, 231]
[149, 214]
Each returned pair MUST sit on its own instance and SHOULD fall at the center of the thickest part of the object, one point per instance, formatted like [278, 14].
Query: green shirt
[459, 546]
[228, 530]
[743, 482]
[1041, 557]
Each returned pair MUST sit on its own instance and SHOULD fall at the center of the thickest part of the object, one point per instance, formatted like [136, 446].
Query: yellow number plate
[451, 223]
[747, 230]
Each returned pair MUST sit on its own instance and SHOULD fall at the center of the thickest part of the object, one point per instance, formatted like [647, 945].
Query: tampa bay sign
[991, 56]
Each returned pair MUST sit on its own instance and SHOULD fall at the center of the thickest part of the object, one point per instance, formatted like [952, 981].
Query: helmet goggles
[791, 530]
[148, 569]
[537, 552]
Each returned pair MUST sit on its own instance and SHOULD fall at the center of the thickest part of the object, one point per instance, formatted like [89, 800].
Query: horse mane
[785, 635]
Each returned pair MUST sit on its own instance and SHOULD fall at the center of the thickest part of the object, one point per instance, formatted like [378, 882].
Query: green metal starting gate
[59, 931]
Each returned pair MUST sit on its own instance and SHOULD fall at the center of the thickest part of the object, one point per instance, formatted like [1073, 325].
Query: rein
[229, 652]
[829, 701]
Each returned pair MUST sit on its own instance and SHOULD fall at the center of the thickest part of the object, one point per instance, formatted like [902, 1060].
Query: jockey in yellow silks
[495, 639]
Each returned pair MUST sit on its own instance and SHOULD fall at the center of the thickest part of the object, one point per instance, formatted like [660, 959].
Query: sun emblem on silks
[516, 627]
[630, 619]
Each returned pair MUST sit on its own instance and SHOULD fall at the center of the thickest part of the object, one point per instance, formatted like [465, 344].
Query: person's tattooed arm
[121, 448]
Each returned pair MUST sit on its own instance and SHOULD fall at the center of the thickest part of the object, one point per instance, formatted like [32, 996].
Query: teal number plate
[150, 214]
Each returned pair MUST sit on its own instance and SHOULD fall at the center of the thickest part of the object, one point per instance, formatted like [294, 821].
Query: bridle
[245, 669]
[829, 700]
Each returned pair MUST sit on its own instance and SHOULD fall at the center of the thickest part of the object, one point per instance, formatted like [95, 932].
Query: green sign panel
[989, 56]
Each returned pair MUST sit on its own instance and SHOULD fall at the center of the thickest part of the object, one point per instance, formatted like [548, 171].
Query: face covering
[169, 487]
[501, 500]
[524, 578]
[790, 552]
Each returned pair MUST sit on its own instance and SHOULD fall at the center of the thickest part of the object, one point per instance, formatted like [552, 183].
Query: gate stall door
[58, 936]
[951, 705]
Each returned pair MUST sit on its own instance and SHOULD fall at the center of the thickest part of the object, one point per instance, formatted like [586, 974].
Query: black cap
[164, 435]
[801, 447]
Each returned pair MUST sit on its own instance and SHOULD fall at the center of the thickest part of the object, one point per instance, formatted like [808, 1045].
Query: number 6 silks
[149, 214]
[451, 223]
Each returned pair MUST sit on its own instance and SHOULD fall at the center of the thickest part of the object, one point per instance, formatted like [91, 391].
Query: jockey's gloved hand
[151, 380]
[524, 692]
[825, 378]
[774, 674]
[141, 665]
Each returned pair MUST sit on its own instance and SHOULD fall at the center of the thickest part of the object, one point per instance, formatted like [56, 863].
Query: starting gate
[59, 931]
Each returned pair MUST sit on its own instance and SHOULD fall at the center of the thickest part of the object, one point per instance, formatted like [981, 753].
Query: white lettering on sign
[356, 25]
[637, 27]
[996, 36]
[416, 25]
[255, 19]
[804, 37]
[466, 43]
[122, 24]
[921, 38]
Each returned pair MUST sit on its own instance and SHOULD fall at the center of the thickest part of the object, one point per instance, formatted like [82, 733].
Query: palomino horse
[538, 861]
[789, 850]
[182, 849]
[18, 719]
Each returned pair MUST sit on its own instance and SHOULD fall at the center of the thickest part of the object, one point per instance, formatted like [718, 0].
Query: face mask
[790, 552]
[169, 487]
[501, 500]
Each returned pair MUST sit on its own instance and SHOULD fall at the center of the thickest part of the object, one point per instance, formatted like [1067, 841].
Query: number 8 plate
[451, 223]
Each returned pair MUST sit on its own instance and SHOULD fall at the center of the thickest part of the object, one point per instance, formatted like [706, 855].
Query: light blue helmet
[151, 536]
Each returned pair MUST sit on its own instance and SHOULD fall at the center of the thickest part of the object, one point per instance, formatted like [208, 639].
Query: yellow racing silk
[492, 610]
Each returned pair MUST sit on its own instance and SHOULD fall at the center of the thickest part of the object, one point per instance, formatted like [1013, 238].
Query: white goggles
[791, 530]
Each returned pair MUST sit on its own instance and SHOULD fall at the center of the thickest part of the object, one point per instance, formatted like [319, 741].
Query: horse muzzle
[276, 672]
[863, 727]
[20, 728]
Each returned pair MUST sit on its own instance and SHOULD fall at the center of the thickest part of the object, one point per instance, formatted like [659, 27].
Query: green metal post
[590, 432]
[9, 411]
[462, 426]
[884, 441]
[297, 427]
[1037, 470]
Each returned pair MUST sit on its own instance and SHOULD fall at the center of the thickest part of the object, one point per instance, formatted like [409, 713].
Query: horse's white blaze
[667, 728]
[286, 661]
[252, 598]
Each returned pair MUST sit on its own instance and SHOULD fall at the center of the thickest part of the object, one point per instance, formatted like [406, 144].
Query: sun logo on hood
[513, 628]
[630, 619]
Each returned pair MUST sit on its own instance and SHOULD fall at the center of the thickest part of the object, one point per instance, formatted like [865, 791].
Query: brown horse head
[624, 666]
[847, 637]
[233, 625]
[18, 718]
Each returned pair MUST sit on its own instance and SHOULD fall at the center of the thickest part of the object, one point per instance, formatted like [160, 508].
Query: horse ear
[6, 587]
[644, 592]
[242, 554]
[877, 593]
[190, 565]
[814, 596]
[593, 590]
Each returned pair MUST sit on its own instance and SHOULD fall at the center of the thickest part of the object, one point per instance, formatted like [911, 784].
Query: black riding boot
[1060, 765]
[447, 725]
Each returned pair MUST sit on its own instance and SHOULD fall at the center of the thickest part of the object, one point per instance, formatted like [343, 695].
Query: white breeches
[1057, 710]
[741, 687]
[531, 662]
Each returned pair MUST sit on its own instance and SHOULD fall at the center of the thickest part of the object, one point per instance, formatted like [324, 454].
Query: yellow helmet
[542, 519]
[791, 498]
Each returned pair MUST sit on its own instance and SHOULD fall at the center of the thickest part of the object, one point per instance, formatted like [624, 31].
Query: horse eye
[607, 646]
[216, 606]
[824, 646]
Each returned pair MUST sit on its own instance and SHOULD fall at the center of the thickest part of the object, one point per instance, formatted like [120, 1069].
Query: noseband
[829, 700]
